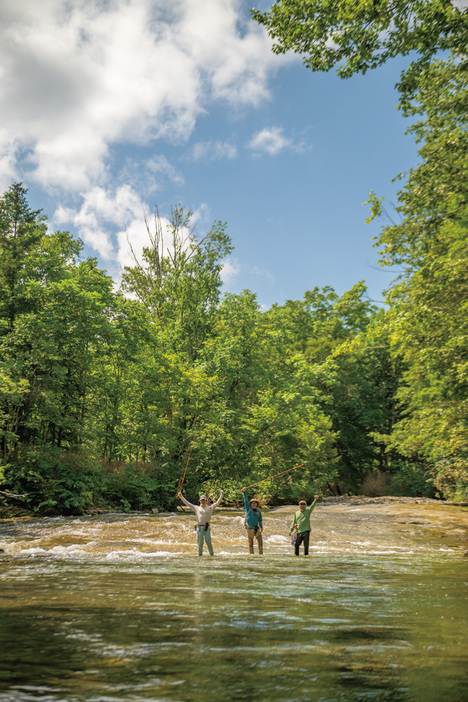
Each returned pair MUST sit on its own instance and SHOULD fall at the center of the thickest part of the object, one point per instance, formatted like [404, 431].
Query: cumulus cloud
[101, 213]
[270, 140]
[78, 78]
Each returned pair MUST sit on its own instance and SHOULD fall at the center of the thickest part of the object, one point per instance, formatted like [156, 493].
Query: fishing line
[274, 476]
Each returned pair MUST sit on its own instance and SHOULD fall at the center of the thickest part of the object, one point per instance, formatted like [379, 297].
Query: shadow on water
[129, 626]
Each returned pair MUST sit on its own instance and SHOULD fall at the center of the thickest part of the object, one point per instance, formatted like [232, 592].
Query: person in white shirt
[203, 513]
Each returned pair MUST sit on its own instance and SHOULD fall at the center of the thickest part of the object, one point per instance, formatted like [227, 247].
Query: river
[119, 608]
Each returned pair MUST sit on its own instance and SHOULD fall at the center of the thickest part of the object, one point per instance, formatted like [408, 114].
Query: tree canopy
[358, 35]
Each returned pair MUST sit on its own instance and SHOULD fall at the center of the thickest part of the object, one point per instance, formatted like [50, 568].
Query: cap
[203, 497]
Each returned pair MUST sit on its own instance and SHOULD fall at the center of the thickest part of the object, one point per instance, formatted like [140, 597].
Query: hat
[203, 497]
[253, 500]
[302, 502]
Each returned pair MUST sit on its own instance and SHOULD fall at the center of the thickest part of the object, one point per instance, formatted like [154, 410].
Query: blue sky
[112, 108]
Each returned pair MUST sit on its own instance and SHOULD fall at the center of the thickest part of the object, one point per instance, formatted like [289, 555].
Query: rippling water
[119, 608]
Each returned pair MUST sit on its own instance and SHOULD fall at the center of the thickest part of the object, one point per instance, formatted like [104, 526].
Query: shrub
[136, 486]
[411, 480]
[55, 481]
[374, 484]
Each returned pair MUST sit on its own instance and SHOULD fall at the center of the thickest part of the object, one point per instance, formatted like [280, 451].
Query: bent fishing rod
[188, 459]
[274, 476]
[185, 472]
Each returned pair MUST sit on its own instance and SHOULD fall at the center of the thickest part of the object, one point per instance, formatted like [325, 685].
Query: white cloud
[100, 213]
[79, 78]
[230, 270]
[160, 166]
[213, 150]
[270, 140]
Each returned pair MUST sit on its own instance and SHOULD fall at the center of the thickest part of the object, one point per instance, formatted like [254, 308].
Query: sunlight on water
[119, 608]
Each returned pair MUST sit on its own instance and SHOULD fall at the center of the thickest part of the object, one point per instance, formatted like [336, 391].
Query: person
[301, 525]
[203, 513]
[253, 522]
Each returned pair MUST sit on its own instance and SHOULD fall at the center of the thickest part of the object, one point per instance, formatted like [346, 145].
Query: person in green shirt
[301, 525]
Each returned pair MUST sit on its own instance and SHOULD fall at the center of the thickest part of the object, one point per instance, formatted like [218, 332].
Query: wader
[302, 536]
[251, 533]
[204, 534]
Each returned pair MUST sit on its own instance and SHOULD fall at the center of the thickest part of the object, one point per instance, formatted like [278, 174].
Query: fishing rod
[274, 476]
[185, 472]
[188, 459]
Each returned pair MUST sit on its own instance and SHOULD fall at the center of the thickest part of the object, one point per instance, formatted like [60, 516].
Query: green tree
[429, 303]
[261, 415]
[178, 284]
[21, 229]
[54, 320]
[427, 315]
[178, 279]
[353, 376]
[360, 35]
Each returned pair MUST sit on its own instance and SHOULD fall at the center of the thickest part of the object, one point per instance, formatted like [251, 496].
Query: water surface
[118, 608]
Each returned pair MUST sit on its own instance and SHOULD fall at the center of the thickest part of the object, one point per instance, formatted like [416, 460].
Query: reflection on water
[119, 608]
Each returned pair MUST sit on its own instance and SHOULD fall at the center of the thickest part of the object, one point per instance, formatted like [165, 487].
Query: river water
[119, 608]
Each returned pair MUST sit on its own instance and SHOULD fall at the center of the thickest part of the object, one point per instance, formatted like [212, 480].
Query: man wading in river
[301, 523]
[253, 523]
[203, 512]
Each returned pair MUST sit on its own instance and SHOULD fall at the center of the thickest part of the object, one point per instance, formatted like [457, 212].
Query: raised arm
[215, 504]
[313, 503]
[246, 500]
[186, 502]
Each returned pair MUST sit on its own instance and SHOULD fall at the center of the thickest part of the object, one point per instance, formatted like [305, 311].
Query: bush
[55, 481]
[411, 480]
[374, 484]
[137, 486]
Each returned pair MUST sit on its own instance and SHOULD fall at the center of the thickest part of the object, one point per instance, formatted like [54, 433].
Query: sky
[111, 108]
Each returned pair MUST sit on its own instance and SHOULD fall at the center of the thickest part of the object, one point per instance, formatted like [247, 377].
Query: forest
[107, 394]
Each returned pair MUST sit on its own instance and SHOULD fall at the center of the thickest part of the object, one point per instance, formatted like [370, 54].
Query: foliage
[181, 377]
[55, 481]
[426, 324]
[413, 480]
[358, 36]
[51, 329]
[136, 487]
[429, 303]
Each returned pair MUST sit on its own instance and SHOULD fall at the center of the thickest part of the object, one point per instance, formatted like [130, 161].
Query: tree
[178, 284]
[21, 229]
[53, 321]
[427, 315]
[429, 303]
[261, 415]
[357, 36]
[179, 279]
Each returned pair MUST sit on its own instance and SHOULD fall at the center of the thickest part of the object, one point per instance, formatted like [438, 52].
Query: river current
[119, 608]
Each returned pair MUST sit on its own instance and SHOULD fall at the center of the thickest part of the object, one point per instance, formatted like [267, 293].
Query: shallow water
[118, 608]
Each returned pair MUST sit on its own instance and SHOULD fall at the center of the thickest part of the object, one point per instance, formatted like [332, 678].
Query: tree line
[106, 394]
